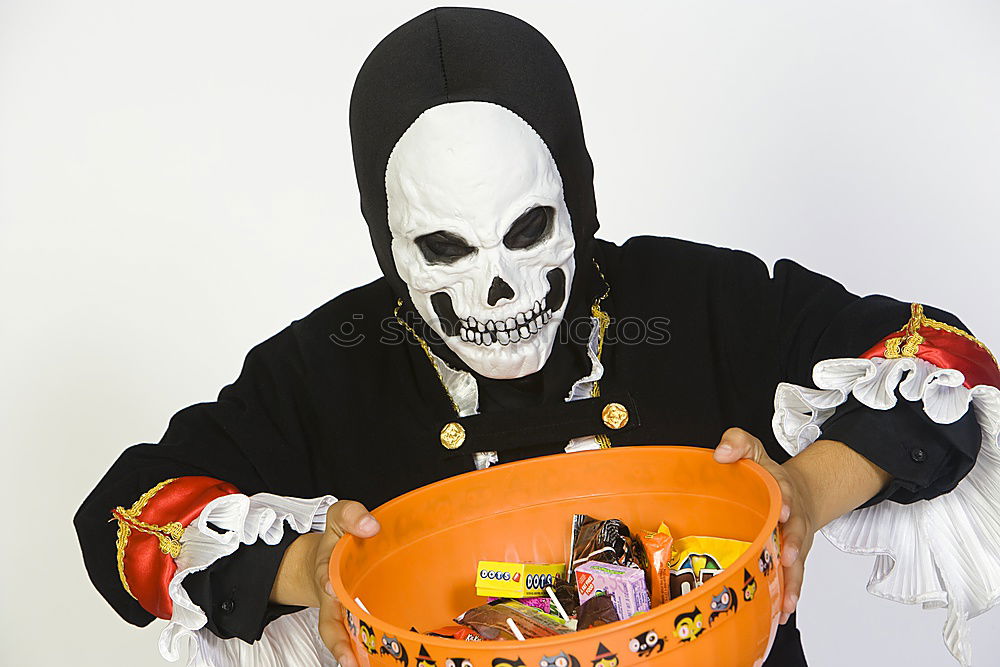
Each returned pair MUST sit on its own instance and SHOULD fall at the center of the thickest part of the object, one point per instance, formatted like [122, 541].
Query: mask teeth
[504, 332]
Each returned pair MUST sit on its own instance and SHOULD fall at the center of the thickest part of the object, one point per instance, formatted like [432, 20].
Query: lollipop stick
[555, 601]
[516, 630]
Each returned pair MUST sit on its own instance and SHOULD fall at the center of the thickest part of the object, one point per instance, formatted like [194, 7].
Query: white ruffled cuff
[943, 552]
[290, 640]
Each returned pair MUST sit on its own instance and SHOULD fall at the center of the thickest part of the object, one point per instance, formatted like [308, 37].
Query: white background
[176, 185]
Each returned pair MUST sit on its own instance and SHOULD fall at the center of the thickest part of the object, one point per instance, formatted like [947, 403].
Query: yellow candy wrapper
[697, 559]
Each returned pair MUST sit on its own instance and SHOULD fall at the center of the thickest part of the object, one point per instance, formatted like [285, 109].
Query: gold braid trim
[168, 536]
[934, 324]
[906, 345]
[892, 347]
[120, 544]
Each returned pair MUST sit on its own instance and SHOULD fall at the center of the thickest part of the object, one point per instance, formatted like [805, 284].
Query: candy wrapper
[456, 632]
[697, 559]
[498, 579]
[625, 585]
[542, 604]
[568, 597]
[596, 611]
[656, 549]
[602, 541]
[490, 621]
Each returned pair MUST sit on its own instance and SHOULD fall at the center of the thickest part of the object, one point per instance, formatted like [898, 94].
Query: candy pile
[612, 574]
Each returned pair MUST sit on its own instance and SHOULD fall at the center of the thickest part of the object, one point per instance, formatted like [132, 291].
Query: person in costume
[503, 329]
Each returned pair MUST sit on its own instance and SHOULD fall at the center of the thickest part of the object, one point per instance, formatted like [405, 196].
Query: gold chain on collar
[427, 351]
[603, 320]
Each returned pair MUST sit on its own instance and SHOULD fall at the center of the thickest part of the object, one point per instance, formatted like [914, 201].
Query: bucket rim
[502, 645]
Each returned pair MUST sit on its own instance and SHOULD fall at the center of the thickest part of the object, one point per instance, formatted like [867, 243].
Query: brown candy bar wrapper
[657, 551]
[567, 595]
[596, 611]
[606, 541]
[490, 620]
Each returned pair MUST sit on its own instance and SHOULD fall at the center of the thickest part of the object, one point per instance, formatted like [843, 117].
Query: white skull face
[481, 235]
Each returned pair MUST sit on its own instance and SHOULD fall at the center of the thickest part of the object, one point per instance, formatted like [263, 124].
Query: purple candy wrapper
[625, 585]
[544, 604]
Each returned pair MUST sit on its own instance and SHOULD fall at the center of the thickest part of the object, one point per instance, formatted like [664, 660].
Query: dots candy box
[515, 580]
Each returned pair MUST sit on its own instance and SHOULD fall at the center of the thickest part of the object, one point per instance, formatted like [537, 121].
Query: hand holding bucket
[797, 525]
[304, 574]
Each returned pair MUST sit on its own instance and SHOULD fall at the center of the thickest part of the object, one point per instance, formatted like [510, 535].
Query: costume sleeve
[938, 462]
[234, 591]
[226, 474]
[909, 387]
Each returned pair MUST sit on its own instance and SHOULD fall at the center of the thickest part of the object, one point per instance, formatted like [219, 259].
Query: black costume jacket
[310, 415]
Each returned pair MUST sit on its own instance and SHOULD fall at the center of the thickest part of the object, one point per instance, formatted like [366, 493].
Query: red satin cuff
[941, 344]
[149, 535]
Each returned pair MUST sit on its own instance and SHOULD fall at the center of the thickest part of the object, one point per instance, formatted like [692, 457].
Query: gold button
[452, 435]
[614, 415]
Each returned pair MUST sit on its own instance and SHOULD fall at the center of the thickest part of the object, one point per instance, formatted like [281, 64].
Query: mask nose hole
[499, 289]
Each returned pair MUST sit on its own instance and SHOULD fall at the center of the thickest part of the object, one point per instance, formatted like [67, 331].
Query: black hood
[458, 54]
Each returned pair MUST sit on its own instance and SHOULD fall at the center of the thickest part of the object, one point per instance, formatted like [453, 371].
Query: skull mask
[481, 235]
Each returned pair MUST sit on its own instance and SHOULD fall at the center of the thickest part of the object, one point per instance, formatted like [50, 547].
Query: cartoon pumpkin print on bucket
[395, 650]
[688, 626]
[749, 585]
[457, 662]
[722, 603]
[604, 657]
[645, 643]
[560, 659]
[367, 637]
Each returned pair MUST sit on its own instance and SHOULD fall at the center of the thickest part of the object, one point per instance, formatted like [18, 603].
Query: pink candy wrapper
[543, 604]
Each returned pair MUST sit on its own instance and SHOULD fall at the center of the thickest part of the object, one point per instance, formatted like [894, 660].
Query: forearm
[294, 583]
[838, 478]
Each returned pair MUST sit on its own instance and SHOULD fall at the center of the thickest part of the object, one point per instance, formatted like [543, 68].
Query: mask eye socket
[530, 229]
[443, 247]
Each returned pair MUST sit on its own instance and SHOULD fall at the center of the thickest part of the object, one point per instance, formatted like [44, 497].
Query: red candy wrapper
[456, 632]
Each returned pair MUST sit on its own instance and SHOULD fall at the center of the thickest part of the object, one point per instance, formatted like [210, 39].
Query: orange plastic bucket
[420, 570]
